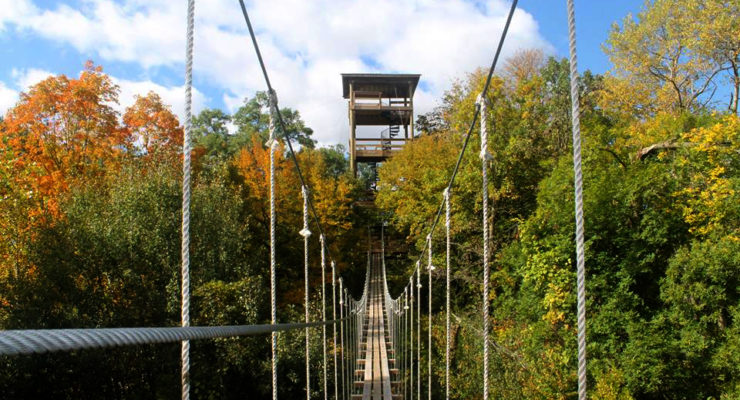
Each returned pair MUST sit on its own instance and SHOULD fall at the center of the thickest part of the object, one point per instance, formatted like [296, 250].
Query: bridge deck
[374, 368]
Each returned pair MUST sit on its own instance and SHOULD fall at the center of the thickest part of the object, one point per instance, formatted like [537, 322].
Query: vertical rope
[323, 309]
[484, 173]
[341, 335]
[306, 234]
[334, 326]
[580, 267]
[429, 321]
[418, 330]
[411, 337]
[447, 295]
[185, 244]
[406, 358]
[272, 144]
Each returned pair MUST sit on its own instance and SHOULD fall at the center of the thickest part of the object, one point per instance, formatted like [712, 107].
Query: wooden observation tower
[379, 100]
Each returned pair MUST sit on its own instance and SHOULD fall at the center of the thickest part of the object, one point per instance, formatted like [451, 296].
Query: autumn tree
[524, 65]
[152, 126]
[64, 130]
[670, 57]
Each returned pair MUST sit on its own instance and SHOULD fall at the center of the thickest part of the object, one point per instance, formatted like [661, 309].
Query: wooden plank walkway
[375, 375]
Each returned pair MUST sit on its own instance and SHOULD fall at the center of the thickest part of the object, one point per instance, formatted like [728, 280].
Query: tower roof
[390, 85]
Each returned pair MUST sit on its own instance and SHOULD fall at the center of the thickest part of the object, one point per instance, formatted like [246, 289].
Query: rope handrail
[38, 341]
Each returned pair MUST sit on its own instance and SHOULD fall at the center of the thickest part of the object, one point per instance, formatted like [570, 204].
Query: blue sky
[306, 44]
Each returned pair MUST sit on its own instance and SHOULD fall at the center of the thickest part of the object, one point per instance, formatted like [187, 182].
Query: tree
[252, 119]
[717, 28]
[152, 124]
[522, 66]
[65, 130]
[210, 132]
[666, 59]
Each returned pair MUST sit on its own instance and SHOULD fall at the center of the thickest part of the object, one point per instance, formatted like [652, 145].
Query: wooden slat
[377, 373]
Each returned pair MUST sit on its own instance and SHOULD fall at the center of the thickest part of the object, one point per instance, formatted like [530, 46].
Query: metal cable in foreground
[38, 341]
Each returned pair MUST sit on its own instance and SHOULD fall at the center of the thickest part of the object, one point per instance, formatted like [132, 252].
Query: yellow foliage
[712, 193]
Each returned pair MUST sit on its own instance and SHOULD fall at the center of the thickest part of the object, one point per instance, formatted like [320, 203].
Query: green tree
[210, 131]
[252, 119]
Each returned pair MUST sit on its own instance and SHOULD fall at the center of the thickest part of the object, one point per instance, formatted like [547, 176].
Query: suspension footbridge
[371, 343]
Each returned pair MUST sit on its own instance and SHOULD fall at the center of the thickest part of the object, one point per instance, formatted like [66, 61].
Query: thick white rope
[323, 309]
[411, 289]
[185, 244]
[334, 316]
[418, 330]
[272, 144]
[580, 264]
[430, 268]
[306, 233]
[406, 355]
[486, 251]
[341, 336]
[447, 295]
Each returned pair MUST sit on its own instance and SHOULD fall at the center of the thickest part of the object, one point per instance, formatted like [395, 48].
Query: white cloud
[16, 10]
[26, 78]
[306, 44]
[23, 79]
[129, 89]
[171, 95]
[8, 98]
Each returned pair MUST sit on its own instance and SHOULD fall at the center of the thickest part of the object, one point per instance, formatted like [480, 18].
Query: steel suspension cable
[306, 233]
[185, 244]
[38, 341]
[450, 184]
[476, 115]
[281, 121]
[580, 256]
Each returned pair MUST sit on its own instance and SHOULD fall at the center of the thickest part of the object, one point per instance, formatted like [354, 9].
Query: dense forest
[90, 225]
[661, 159]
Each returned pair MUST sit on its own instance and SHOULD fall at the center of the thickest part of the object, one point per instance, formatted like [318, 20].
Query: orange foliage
[153, 125]
[253, 163]
[63, 130]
